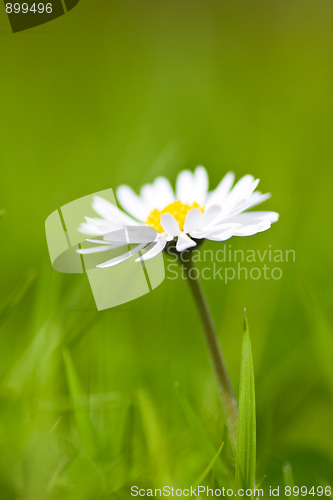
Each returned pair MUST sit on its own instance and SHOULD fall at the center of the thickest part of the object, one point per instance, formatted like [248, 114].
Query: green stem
[225, 388]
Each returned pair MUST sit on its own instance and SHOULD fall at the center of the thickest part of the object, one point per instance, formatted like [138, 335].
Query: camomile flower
[185, 216]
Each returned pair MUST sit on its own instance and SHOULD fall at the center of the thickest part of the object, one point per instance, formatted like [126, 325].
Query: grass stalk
[223, 380]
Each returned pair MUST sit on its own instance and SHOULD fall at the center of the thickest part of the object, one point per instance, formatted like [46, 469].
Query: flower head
[187, 215]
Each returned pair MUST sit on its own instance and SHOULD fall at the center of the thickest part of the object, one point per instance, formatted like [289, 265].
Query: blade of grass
[206, 445]
[288, 474]
[246, 438]
[18, 293]
[155, 437]
[209, 467]
[321, 330]
[81, 409]
[52, 321]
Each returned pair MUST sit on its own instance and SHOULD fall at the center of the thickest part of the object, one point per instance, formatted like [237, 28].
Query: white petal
[244, 204]
[132, 235]
[165, 237]
[209, 215]
[96, 227]
[91, 229]
[242, 190]
[155, 250]
[221, 236]
[222, 190]
[192, 220]
[99, 242]
[95, 221]
[111, 212]
[272, 216]
[244, 187]
[103, 248]
[121, 258]
[184, 186]
[256, 199]
[192, 188]
[132, 203]
[215, 230]
[250, 230]
[200, 186]
[157, 195]
[184, 242]
[249, 227]
[253, 217]
[170, 225]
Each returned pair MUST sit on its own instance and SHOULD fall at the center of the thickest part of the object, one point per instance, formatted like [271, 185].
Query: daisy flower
[186, 215]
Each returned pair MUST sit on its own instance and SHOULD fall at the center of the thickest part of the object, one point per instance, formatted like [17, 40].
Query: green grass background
[120, 92]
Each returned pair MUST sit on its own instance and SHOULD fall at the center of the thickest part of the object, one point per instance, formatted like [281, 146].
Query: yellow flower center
[177, 209]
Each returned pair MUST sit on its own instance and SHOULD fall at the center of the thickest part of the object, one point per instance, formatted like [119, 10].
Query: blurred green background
[120, 92]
